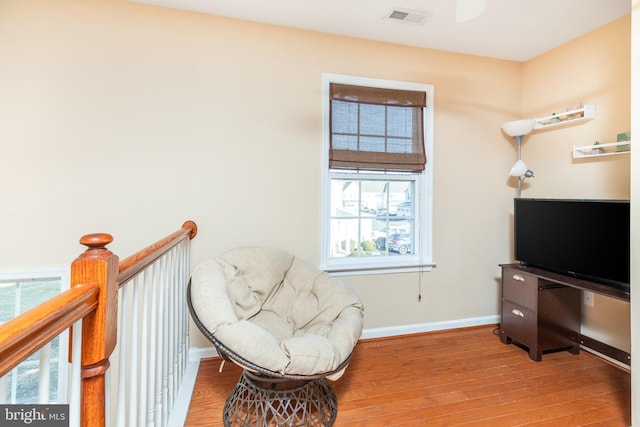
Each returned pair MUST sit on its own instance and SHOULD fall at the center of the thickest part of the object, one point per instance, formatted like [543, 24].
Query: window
[377, 175]
[19, 292]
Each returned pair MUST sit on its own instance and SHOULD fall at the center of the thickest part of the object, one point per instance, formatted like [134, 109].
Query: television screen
[589, 239]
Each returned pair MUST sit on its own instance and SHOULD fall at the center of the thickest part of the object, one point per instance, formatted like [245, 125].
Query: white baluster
[160, 338]
[75, 380]
[121, 406]
[44, 374]
[151, 363]
[144, 347]
[133, 360]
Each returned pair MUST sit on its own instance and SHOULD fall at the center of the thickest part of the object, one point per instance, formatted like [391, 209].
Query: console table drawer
[520, 288]
[519, 323]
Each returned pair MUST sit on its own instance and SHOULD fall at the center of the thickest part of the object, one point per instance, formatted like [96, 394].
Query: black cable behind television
[587, 239]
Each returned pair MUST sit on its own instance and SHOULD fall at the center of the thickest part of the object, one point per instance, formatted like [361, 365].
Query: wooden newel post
[99, 329]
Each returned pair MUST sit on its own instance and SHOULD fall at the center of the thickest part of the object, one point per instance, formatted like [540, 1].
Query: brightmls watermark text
[34, 415]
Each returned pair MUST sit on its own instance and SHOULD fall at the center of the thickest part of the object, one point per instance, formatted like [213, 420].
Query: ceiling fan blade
[468, 9]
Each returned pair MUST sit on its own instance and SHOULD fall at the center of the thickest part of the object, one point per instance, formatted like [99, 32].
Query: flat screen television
[587, 239]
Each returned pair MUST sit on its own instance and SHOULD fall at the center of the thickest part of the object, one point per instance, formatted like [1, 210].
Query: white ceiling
[508, 29]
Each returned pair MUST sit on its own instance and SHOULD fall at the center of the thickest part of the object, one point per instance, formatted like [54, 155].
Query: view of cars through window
[372, 217]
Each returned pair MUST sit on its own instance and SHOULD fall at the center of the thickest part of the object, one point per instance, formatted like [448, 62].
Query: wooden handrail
[22, 336]
[133, 264]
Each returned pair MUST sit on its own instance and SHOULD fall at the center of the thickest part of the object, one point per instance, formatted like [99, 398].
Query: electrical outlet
[587, 298]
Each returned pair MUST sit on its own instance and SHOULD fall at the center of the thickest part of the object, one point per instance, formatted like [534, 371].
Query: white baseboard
[197, 353]
[391, 331]
[180, 409]
[607, 358]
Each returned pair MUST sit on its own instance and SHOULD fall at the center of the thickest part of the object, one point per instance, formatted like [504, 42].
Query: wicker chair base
[259, 401]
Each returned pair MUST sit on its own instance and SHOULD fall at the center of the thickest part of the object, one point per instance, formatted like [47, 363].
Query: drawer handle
[518, 277]
[517, 312]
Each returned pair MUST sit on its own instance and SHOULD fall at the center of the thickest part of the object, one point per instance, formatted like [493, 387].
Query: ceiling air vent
[407, 16]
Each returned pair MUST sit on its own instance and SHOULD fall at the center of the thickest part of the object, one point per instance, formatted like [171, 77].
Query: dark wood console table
[542, 310]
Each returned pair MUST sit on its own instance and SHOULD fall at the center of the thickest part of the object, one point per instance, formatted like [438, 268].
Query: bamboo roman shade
[376, 129]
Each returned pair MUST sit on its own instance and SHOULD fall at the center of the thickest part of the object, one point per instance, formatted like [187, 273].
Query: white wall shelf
[587, 112]
[608, 149]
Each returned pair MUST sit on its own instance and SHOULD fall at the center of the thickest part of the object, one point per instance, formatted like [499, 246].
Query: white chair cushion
[276, 311]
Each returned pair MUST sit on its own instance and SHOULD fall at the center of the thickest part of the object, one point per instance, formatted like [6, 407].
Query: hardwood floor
[451, 378]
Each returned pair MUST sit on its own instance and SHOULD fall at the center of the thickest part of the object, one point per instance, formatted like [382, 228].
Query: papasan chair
[289, 326]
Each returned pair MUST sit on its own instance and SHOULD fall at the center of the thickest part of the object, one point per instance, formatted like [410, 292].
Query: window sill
[366, 270]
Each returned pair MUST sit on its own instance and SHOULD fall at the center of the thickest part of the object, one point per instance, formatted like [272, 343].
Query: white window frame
[422, 257]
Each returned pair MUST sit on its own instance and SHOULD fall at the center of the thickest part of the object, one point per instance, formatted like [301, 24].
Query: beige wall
[130, 119]
[593, 69]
